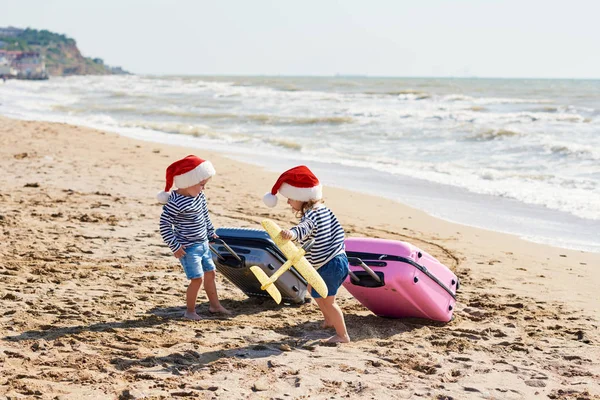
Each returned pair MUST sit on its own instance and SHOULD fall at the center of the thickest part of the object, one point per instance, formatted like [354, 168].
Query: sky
[452, 38]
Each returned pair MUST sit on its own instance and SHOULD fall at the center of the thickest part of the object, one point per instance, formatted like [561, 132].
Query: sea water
[514, 155]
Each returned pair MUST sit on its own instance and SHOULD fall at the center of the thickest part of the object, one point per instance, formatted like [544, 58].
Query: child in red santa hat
[327, 255]
[186, 227]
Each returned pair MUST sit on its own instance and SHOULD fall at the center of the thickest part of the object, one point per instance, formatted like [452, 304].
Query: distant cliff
[59, 52]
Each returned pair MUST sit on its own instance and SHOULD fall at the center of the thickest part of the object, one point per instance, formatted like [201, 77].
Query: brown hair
[307, 205]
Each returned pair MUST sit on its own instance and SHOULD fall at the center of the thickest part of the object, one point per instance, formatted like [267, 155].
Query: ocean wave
[285, 143]
[264, 119]
[457, 97]
[547, 109]
[580, 197]
[218, 116]
[171, 112]
[414, 96]
[206, 132]
[493, 134]
[319, 120]
[122, 94]
[82, 109]
[524, 117]
[489, 174]
[67, 109]
[548, 116]
[270, 119]
[574, 150]
[507, 100]
[176, 128]
[408, 94]
[492, 100]
[118, 95]
[124, 109]
[288, 88]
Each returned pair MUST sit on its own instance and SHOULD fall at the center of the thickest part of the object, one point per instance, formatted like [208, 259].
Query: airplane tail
[266, 283]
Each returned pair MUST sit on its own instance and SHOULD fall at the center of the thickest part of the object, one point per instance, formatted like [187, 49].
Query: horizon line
[365, 76]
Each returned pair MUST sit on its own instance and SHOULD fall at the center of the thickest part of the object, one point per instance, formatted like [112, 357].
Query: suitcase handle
[410, 261]
[219, 256]
[353, 276]
[229, 249]
[365, 267]
[306, 246]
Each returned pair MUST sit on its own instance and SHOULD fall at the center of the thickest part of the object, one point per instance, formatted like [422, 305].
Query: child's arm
[167, 217]
[303, 230]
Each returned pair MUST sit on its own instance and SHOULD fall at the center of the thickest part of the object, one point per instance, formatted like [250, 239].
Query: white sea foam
[528, 142]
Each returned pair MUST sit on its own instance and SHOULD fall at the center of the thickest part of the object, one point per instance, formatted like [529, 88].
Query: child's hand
[286, 234]
[179, 253]
[215, 236]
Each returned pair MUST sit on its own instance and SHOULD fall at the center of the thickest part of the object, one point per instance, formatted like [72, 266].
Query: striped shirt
[320, 224]
[185, 221]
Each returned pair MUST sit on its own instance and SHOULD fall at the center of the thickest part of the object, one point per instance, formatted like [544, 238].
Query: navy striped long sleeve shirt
[185, 221]
[320, 223]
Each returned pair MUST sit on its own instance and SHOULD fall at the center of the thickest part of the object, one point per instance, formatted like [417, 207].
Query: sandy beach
[91, 298]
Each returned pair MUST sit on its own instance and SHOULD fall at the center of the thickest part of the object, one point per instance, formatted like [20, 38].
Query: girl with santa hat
[186, 227]
[327, 255]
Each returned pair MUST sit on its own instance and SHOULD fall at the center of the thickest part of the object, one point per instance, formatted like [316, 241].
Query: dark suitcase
[237, 249]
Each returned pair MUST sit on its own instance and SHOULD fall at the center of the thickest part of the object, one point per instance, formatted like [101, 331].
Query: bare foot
[338, 339]
[192, 315]
[219, 310]
[326, 325]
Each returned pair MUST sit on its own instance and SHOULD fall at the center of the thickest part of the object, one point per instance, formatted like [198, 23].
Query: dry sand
[91, 298]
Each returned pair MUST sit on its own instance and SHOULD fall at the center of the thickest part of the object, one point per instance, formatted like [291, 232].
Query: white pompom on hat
[298, 183]
[188, 171]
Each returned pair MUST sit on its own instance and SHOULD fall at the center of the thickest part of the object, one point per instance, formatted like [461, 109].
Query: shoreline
[93, 298]
[481, 210]
[530, 222]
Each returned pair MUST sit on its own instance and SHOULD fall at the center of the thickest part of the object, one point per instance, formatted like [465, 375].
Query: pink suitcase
[396, 279]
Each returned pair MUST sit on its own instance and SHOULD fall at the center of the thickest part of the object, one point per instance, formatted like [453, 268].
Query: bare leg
[323, 307]
[326, 323]
[334, 312]
[190, 297]
[210, 287]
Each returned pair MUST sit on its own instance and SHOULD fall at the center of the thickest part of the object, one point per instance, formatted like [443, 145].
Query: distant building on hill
[22, 65]
[30, 65]
[11, 31]
[6, 69]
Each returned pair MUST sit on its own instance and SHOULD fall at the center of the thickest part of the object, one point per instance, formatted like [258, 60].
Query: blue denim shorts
[334, 273]
[197, 260]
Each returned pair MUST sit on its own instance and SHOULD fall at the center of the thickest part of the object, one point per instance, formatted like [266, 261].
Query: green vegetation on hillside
[60, 53]
[30, 39]
[45, 38]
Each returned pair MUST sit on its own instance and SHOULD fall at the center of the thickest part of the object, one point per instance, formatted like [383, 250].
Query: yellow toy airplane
[295, 257]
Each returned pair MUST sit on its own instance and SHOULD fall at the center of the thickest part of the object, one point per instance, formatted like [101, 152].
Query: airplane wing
[312, 276]
[290, 250]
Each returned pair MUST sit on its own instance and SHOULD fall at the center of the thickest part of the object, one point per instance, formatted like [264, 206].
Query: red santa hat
[188, 171]
[298, 183]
